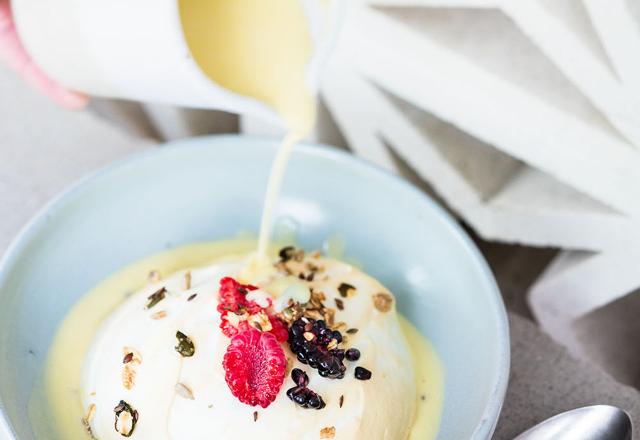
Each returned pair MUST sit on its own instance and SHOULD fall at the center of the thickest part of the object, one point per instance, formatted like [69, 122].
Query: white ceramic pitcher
[135, 49]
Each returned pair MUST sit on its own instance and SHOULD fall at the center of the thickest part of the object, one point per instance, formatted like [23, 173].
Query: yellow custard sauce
[56, 409]
[256, 48]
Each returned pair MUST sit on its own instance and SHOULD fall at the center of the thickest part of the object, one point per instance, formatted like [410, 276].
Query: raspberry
[254, 367]
[236, 311]
[231, 330]
[279, 329]
[233, 296]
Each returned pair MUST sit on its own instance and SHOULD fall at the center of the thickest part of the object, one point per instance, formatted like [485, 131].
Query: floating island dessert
[311, 349]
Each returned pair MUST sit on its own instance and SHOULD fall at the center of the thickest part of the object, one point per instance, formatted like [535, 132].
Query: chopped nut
[126, 419]
[308, 336]
[255, 416]
[156, 297]
[124, 424]
[286, 253]
[298, 255]
[339, 304]
[131, 355]
[154, 276]
[340, 326]
[291, 313]
[260, 321]
[234, 319]
[313, 314]
[186, 282]
[317, 298]
[332, 344]
[128, 377]
[282, 267]
[341, 401]
[329, 316]
[159, 315]
[91, 411]
[382, 302]
[346, 290]
[86, 421]
[328, 432]
[185, 345]
[184, 391]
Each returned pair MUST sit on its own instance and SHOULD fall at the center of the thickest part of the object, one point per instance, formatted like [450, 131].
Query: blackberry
[286, 253]
[352, 354]
[306, 398]
[299, 377]
[309, 340]
[362, 373]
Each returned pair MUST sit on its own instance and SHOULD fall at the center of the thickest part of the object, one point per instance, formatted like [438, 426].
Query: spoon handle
[599, 422]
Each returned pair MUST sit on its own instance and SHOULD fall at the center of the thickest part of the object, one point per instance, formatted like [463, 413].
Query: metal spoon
[598, 422]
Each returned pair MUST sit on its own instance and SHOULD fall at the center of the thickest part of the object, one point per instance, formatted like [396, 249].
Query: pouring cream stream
[259, 49]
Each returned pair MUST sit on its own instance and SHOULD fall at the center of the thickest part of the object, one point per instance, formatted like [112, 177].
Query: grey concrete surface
[545, 380]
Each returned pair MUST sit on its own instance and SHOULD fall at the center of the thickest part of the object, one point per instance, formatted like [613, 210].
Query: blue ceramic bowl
[212, 188]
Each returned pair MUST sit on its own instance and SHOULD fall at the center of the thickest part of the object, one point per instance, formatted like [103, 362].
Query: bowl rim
[487, 424]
